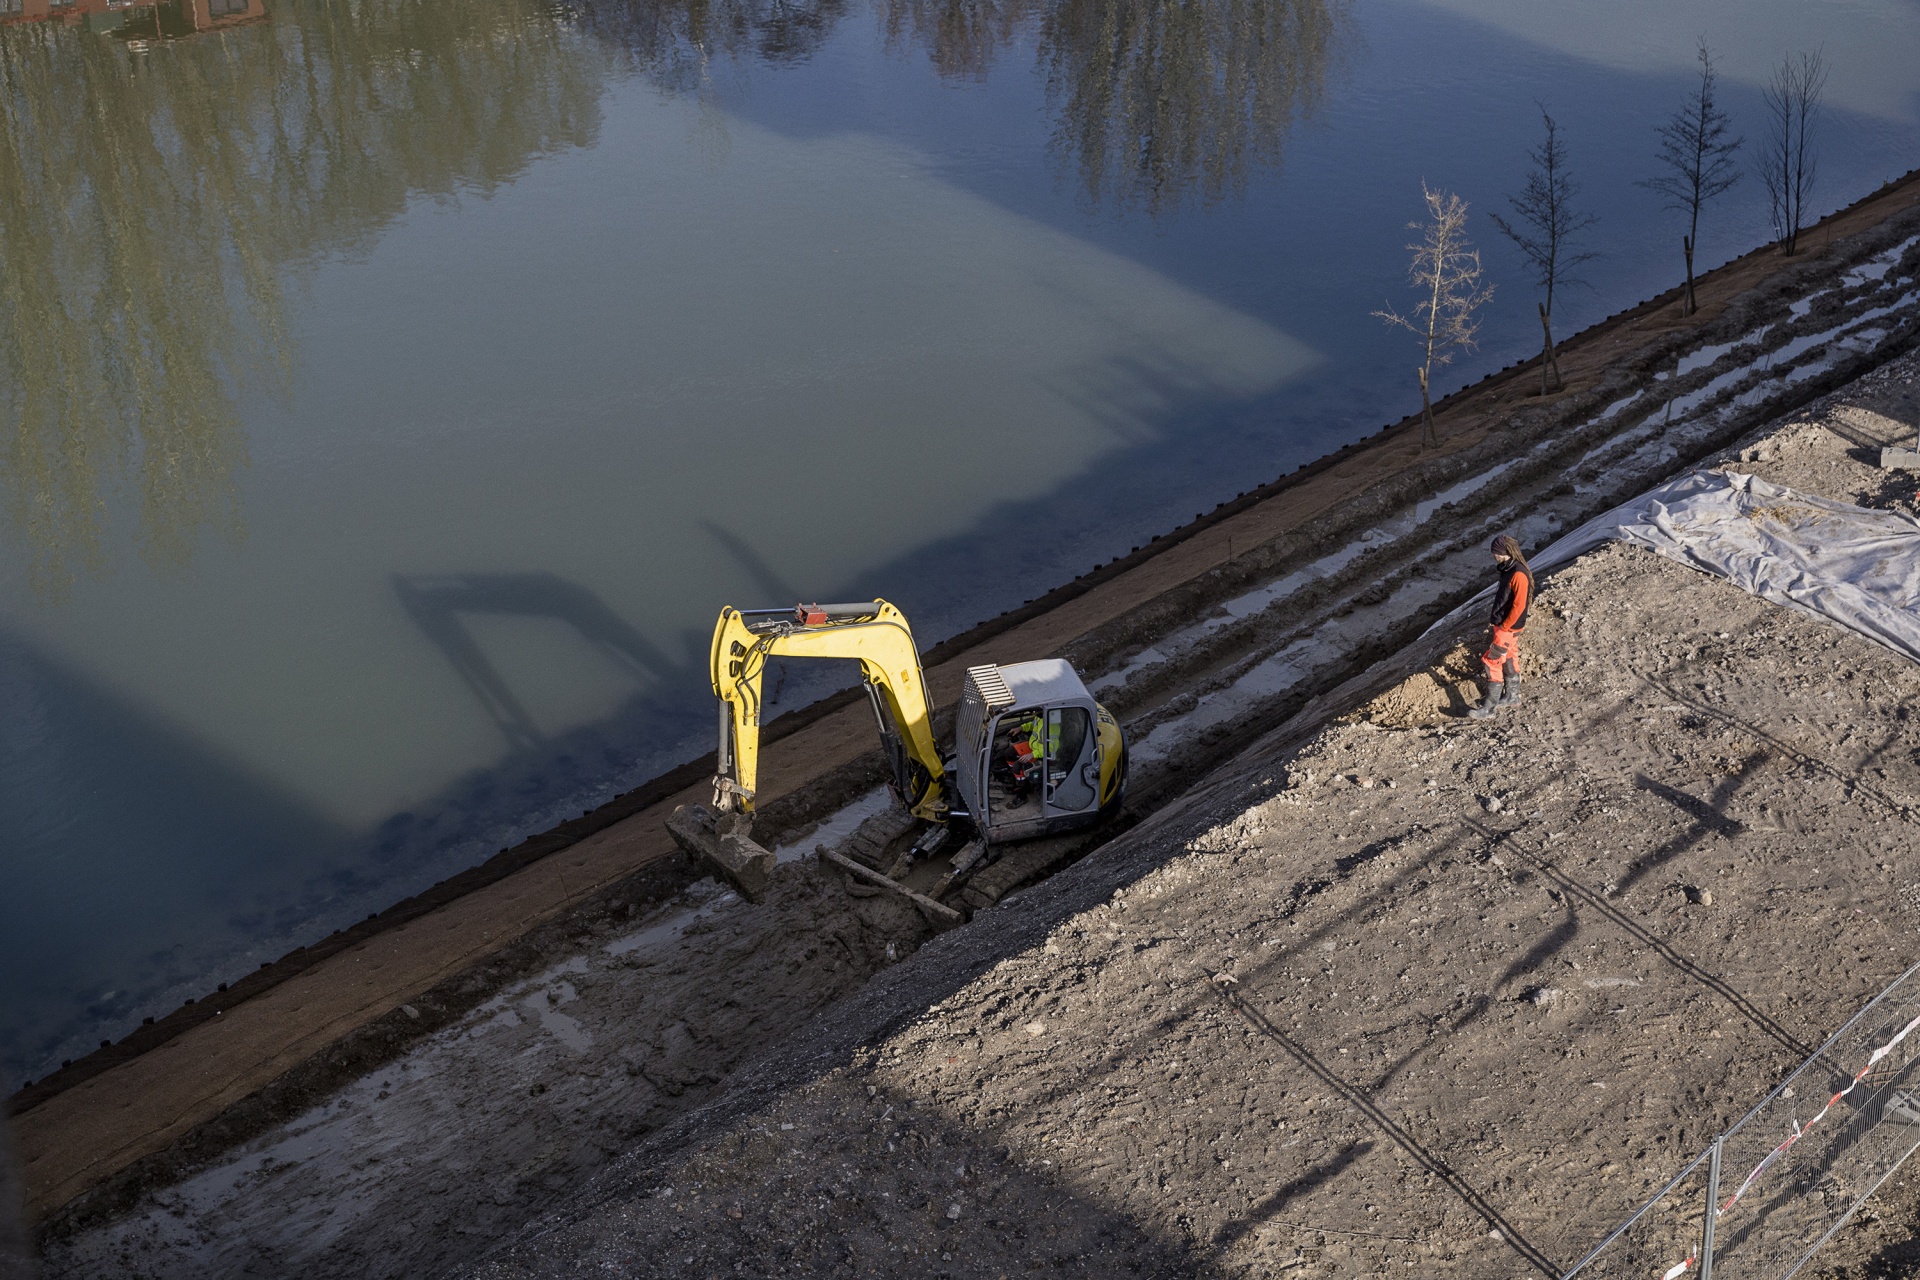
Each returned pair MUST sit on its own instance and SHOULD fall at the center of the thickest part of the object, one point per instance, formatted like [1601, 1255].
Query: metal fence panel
[1796, 1167]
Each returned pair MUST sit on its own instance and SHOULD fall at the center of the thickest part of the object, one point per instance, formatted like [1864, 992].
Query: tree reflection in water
[1156, 101]
[674, 42]
[152, 207]
[1160, 101]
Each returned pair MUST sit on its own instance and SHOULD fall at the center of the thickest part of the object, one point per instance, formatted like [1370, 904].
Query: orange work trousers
[1502, 658]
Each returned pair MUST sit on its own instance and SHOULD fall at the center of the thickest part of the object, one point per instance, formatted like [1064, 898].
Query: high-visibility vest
[1043, 740]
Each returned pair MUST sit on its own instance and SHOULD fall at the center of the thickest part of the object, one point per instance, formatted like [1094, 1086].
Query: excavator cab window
[1016, 767]
[1041, 764]
[1071, 778]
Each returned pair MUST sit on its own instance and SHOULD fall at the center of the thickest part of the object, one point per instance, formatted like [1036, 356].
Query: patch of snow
[544, 1006]
[1259, 600]
[1683, 406]
[1274, 674]
[1798, 310]
[1876, 268]
[1617, 406]
[1423, 511]
[667, 930]
[1707, 355]
[1148, 657]
[1241, 607]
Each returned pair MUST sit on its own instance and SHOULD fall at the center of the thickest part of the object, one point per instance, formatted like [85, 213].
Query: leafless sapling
[1548, 224]
[1446, 271]
[1697, 156]
[1792, 97]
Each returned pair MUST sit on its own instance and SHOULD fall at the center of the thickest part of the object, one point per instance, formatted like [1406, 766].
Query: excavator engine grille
[987, 684]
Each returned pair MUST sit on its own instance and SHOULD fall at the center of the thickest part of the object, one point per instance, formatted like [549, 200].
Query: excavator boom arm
[876, 635]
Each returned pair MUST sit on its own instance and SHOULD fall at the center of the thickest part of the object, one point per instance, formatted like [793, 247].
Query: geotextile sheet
[1853, 566]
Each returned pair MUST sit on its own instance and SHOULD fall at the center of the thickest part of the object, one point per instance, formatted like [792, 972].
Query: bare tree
[1787, 166]
[1548, 224]
[1698, 156]
[1446, 271]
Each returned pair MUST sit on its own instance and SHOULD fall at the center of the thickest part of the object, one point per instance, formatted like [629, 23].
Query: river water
[391, 391]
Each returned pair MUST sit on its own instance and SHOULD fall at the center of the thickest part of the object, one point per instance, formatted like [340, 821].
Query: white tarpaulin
[1850, 565]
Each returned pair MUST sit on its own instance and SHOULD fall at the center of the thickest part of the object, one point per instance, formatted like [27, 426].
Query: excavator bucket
[721, 844]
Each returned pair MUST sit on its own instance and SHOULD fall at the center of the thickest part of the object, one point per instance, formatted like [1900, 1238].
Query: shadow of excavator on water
[440, 603]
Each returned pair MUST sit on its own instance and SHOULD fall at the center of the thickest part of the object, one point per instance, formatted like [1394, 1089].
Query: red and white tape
[1799, 1131]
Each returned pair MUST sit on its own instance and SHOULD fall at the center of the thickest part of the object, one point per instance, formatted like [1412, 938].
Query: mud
[429, 1159]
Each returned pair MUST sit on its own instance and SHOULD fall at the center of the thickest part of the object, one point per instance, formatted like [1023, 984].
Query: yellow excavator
[1033, 753]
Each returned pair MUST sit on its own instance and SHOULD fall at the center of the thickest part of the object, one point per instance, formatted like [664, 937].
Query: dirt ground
[1411, 995]
[454, 1145]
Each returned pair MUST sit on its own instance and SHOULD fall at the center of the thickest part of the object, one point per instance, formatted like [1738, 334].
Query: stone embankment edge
[502, 961]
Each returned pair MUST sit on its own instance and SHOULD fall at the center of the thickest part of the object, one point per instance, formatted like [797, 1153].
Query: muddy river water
[392, 390]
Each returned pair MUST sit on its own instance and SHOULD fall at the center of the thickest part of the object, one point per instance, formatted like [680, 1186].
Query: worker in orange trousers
[1509, 619]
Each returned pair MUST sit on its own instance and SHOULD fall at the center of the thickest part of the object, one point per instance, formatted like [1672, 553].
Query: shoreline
[481, 930]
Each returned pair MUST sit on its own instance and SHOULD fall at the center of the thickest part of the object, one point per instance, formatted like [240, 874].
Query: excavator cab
[1035, 754]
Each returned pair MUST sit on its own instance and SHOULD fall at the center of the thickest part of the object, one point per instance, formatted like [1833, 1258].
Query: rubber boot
[1496, 694]
[1512, 687]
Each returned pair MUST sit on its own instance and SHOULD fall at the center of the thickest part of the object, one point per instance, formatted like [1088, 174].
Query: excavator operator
[1509, 619]
[1028, 753]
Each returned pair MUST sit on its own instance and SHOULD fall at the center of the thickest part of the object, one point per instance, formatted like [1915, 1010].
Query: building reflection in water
[138, 22]
[148, 243]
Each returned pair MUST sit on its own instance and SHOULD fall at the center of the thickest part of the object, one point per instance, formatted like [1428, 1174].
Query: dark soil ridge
[382, 1039]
